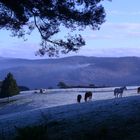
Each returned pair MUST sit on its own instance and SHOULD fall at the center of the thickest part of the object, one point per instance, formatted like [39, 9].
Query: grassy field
[101, 120]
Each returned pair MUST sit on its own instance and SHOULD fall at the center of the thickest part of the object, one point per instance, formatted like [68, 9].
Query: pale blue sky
[118, 36]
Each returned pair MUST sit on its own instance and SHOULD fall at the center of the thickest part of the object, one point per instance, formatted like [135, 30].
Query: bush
[32, 133]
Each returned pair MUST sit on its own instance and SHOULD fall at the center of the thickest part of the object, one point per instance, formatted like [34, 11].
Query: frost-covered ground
[30, 100]
[30, 108]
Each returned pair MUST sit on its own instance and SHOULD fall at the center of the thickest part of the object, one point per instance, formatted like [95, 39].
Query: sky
[119, 36]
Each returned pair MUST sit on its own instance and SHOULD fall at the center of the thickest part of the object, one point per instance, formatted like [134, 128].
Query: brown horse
[138, 90]
[79, 97]
[88, 95]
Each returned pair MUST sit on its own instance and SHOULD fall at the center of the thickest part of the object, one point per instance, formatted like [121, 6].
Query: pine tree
[9, 87]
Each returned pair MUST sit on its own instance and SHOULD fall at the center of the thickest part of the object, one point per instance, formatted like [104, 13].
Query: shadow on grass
[124, 130]
[32, 133]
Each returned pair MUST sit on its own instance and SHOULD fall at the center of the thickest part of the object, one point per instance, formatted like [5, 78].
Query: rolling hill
[75, 70]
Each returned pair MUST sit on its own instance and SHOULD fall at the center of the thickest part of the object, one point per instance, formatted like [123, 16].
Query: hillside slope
[76, 70]
[114, 119]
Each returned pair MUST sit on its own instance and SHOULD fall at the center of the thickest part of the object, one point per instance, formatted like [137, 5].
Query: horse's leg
[119, 95]
[90, 97]
[115, 94]
[78, 100]
[85, 99]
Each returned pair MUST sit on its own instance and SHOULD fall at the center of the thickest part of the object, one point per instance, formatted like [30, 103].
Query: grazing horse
[79, 97]
[88, 94]
[42, 90]
[138, 90]
[119, 91]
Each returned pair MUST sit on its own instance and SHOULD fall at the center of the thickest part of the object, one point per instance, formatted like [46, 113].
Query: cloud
[113, 31]
[123, 13]
[134, 34]
[122, 30]
[20, 50]
[97, 36]
[113, 39]
[110, 51]
[123, 26]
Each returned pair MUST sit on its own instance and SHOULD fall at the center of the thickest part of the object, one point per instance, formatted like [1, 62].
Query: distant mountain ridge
[75, 70]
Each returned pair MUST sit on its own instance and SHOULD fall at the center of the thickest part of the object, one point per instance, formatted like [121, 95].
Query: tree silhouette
[23, 16]
[9, 86]
[62, 85]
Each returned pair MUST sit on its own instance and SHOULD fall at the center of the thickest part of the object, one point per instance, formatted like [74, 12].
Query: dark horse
[79, 97]
[118, 92]
[138, 90]
[88, 95]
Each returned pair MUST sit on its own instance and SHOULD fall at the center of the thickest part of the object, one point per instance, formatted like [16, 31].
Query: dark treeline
[64, 85]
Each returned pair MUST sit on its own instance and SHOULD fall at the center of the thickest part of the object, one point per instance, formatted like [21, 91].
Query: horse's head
[88, 94]
[124, 88]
